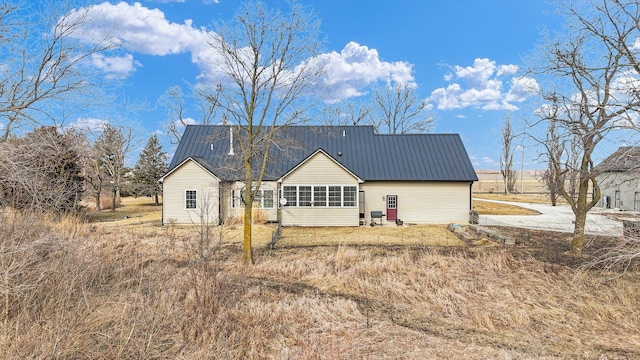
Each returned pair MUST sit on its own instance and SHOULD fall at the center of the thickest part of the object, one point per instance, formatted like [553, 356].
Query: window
[263, 199]
[304, 195]
[267, 199]
[319, 196]
[291, 194]
[190, 199]
[335, 196]
[349, 196]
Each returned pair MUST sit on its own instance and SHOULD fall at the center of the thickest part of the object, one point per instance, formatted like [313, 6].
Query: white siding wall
[190, 176]
[420, 202]
[270, 214]
[320, 170]
[626, 183]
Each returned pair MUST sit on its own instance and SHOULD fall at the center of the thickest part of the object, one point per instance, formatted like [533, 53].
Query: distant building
[619, 179]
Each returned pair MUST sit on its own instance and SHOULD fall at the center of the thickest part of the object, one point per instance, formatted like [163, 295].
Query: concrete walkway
[555, 218]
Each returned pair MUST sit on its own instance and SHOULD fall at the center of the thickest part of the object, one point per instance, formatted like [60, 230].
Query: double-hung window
[190, 199]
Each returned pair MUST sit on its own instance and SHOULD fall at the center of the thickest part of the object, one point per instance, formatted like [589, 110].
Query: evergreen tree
[150, 167]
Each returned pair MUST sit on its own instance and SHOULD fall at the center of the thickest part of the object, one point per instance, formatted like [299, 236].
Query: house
[322, 176]
[619, 179]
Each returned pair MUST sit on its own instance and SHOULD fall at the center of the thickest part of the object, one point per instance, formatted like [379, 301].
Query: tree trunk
[113, 201]
[98, 201]
[157, 200]
[578, 233]
[247, 254]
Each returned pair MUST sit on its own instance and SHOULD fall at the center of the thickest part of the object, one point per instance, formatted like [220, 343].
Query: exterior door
[392, 207]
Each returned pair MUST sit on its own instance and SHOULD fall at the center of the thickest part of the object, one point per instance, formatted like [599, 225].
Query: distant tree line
[53, 170]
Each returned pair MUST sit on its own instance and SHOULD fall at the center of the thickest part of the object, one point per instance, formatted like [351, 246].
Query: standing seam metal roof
[370, 156]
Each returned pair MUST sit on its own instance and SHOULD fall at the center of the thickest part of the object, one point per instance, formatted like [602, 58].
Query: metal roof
[625, 159]
[370, 156]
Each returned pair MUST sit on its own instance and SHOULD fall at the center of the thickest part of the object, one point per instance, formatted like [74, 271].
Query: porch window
[321, 196]
[349, 196]
[335, 196]
[291, 194]
[304, 196]
[190, 199]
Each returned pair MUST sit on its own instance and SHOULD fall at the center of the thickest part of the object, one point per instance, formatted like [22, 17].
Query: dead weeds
[132, 291]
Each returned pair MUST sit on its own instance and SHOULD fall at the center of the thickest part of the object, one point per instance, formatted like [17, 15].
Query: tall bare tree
[45, 64]
[348, 113]
[206, 101]
[400, 111]
[591, 90]
[506, 156]
[554, 151]
[265, 54]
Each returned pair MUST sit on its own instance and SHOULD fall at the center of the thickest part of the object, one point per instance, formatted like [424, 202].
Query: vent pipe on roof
[211, 146]
[344, 133]
[230, 140]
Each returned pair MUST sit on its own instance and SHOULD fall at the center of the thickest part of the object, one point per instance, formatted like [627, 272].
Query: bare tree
[400, 111]
[173, 99]
[506, 157]
[592, 92]
[45, 65]
[554, 151]
[265, 54]
[348, 113]
[40, 172]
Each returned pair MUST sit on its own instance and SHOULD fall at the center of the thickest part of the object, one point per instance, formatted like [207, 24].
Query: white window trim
[236, 201]
[185, 199]
[326, 186]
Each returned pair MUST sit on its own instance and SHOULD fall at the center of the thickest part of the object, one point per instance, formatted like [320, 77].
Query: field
[122, 286]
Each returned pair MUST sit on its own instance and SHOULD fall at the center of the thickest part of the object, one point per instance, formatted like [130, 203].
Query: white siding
[420, 202]
[626, 183]
[320, 167]
[190, 176]
[320, 170]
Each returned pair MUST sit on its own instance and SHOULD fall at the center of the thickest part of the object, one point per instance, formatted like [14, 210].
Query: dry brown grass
[101, 291]
[426, 235]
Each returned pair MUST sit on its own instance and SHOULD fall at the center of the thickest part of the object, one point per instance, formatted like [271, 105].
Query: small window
[191, 199]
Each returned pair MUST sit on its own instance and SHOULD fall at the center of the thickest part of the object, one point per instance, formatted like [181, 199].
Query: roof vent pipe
[344, 133]
[230, 140]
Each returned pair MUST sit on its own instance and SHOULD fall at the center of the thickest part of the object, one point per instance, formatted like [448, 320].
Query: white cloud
[480, 86]
[356, 67]
[147, 31]
[118, 67]
[88, 124]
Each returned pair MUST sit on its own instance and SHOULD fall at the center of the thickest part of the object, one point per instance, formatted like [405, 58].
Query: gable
[320, 168]
[190, 169]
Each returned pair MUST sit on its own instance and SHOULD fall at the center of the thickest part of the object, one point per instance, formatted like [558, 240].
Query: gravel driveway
[555, 218]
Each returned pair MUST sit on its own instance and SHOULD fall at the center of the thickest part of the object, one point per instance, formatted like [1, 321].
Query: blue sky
[464, 56]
